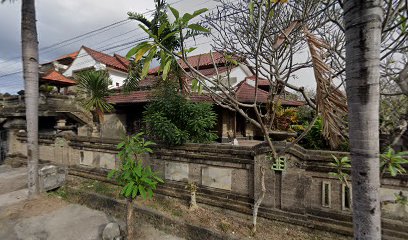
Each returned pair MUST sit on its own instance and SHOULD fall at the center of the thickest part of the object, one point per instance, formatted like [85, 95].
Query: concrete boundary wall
[229, 177]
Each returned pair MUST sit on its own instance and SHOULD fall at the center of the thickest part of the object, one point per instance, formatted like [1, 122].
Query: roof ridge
[111, 61]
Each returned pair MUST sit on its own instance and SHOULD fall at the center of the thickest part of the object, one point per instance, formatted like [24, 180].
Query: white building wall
[83, 61]
[117, 77]
[240, 73]
[237, 75]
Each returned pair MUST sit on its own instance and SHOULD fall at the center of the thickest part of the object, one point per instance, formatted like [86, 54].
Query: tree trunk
[30, 70]
[193, 201]
[259, 201]
[363, 37]
[129, 219]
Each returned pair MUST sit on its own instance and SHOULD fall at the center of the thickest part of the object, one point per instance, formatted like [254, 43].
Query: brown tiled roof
[245, 93]
[55, 77]
[110, 61]
[70, 55]
[148, 81]
[195, 97]
[132, 97]
[125, 62]
[198, 61]
[212, 71]
[151, 80]
[261, 81]
[146, 96]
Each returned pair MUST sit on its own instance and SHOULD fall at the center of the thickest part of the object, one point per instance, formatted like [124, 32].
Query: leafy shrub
[286, 119]
[340, 165]
[392, 162]
[137, 179]
[174, 120]
[314, 139]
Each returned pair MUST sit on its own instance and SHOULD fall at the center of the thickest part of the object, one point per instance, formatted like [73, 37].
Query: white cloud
[61, 20]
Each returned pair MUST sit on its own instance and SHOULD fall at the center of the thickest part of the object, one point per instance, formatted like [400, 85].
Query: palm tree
[29, 43]
[160, 19]
[159, 23]
[93, 89]
[363, 37]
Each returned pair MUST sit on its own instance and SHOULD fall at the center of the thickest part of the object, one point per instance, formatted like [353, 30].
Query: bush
[314, 139]
[174, 120]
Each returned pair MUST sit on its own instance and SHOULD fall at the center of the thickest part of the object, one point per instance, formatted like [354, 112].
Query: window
[117, 84]
[326, 194]
[82, 156]
[345, 197]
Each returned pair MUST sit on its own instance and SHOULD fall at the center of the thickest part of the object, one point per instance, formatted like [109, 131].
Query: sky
[58, 21]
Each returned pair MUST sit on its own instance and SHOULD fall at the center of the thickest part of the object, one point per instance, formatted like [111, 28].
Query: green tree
[159, 26]
[173, 119]
[136, 179]
[93, 89]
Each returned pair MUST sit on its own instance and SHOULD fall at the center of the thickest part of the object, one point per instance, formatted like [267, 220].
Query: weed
[177, 212]
[59, 193]
[224, 226]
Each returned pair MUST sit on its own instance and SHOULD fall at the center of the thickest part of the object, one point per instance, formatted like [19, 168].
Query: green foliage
[93, 89]
[314, 138]
[392, 162]
[175, 120]
[165, 37]
[400, 198]
[392, 109]
[285, 118]
[131, 83]
[136, 179]
[59, 193]
[159, 26]
[340, 165]
[46, 88]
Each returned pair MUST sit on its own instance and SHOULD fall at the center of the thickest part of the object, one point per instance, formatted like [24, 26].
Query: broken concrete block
[51, 177]
[111, 231]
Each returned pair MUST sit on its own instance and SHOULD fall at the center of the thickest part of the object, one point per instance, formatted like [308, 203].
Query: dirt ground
[221, 220]
[50, 216]
[35, 207]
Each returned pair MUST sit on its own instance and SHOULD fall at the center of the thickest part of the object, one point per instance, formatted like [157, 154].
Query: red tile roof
[132, 97]
[125, 62]
[146, 96]
[148, 81]
[261, 81]
[55, 77]
[198, 61]
[245, 93]
[113, 62]
[212, 72]
[70, 55]
[195, 97]
[151, 80]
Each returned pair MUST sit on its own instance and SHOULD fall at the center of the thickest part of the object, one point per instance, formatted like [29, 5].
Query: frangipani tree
[277, 67]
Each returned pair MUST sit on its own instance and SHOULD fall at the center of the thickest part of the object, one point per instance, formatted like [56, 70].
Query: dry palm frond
[330, 100]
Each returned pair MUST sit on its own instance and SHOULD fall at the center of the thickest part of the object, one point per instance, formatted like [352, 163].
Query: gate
[3, 145]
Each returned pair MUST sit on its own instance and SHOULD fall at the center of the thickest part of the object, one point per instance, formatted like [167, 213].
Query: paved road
[49, 218]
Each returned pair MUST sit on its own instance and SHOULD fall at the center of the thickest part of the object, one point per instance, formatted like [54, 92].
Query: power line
[97, 31]
[82, 37]
[108, 26]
